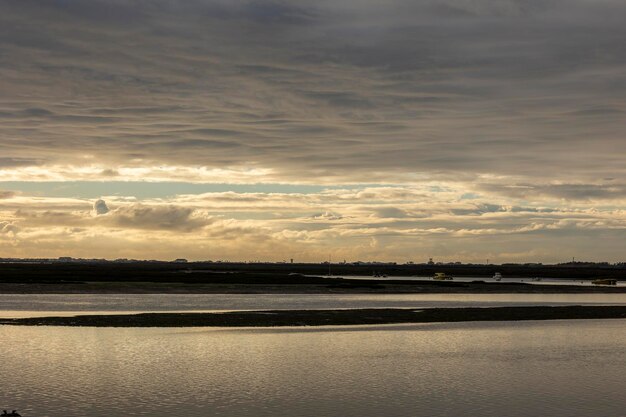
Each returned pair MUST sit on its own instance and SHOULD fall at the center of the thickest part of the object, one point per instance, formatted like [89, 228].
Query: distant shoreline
[280, 318]
[233, 278]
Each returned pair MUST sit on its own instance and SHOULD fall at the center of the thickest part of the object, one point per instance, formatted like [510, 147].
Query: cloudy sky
[267, 130]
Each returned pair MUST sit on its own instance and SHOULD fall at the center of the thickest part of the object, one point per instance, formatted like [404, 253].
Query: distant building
[181, 260]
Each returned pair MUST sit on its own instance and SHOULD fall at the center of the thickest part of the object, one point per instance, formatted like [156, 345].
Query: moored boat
[441, 276]
[497, 276]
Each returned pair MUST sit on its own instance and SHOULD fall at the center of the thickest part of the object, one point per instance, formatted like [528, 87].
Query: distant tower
[291, 260]
[329, 263]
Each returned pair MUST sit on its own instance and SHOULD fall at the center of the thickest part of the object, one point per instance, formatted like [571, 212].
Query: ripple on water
[31, 305]
[560, 368]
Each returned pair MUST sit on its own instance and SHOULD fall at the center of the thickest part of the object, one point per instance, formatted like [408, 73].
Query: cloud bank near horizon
[383, 223]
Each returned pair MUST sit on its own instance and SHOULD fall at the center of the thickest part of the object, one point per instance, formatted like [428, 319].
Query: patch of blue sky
[147, 190]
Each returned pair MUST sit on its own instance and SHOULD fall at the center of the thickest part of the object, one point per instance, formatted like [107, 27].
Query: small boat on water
[441, 276]
[603, 281]
[497, 276]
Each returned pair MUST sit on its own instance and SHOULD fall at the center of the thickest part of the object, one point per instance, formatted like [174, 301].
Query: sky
[458, 130]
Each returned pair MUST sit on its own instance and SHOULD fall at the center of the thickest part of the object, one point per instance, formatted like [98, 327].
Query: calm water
[18, 305]
[556, 368]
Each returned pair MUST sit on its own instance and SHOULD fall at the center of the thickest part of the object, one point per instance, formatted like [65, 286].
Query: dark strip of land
[214, 271]
[219, 278]
[328, 317]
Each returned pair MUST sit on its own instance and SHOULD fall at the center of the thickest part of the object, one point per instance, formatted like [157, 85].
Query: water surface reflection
[560, 368]
[33, 305]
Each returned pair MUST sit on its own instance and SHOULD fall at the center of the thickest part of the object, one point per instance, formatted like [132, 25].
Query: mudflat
[273, 318]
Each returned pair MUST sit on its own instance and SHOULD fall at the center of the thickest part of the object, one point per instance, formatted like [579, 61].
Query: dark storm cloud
[100, 207]
[359, 90]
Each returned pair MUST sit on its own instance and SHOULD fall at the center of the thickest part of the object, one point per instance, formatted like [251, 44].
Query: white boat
[497, 276]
